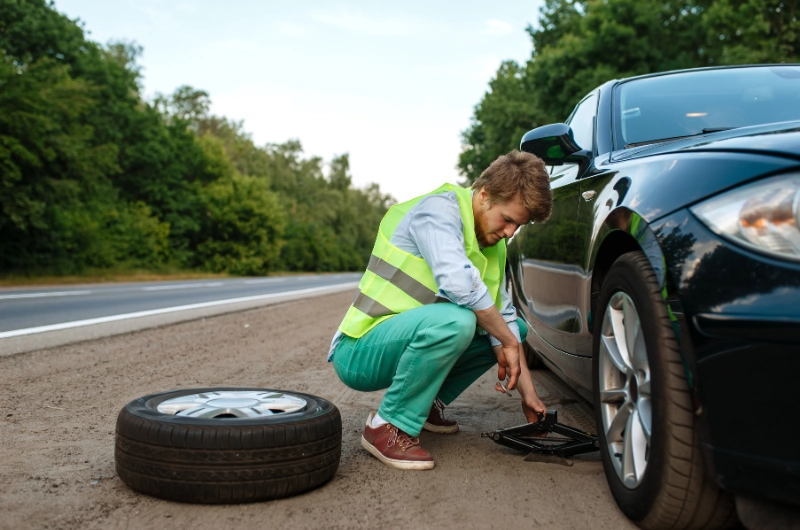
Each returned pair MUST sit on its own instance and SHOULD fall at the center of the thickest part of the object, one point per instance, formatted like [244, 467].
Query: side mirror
[554, 144]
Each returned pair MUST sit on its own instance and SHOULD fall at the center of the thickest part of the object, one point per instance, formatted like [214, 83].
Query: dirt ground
[58, 408]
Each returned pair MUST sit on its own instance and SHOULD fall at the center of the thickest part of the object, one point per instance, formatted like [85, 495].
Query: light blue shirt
[433, 230]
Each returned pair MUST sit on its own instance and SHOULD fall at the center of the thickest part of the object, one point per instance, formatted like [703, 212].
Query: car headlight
[764, 215]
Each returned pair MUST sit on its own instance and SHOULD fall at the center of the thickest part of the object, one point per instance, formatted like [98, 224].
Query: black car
[665, 287]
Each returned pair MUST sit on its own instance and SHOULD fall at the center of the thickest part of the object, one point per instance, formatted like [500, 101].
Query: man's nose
[510, 229]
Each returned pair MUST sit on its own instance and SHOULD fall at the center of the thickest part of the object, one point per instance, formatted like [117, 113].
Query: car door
[549, 256]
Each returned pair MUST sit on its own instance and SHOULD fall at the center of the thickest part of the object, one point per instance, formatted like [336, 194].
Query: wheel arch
[615, 244]
[623, 231]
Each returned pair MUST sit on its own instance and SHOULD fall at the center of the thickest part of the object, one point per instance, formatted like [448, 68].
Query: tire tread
[226, 463]
[687, 498]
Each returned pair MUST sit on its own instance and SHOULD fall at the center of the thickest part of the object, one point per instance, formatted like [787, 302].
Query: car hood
[782, 139]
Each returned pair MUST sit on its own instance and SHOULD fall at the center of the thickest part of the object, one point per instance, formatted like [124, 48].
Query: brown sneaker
[436, 421]
[395, 448]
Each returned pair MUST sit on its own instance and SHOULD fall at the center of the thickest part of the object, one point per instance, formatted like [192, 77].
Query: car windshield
[690, 103]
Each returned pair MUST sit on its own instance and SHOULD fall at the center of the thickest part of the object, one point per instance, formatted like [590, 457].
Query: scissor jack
[534, 437]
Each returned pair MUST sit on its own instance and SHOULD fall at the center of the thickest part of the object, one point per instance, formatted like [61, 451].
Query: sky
[391, 83]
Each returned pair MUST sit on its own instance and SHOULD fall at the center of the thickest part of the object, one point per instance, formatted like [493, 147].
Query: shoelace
[439, 406]
[396, 436]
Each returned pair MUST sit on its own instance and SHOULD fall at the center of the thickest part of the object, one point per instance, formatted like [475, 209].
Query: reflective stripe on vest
[396, 281]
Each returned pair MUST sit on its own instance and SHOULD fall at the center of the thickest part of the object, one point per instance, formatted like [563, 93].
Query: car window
[691, 103]
[582, 122]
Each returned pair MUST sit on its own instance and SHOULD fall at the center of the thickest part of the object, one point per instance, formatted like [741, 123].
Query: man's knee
[456, 323]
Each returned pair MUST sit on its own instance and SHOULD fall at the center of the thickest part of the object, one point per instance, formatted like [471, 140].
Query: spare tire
[227, 445]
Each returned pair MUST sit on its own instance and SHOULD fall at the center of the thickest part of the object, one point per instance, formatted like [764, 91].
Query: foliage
[49, 168]
[754, 31]
[242, 227]
[580, 44]
[506, 113]
[331, 226]
[93, 177]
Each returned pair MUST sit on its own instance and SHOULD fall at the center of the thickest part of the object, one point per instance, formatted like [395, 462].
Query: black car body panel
[745, 351]
[736, 311]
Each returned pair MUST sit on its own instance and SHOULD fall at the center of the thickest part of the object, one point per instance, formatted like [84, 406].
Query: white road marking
[266, 280]
[138, 314]
[181, 286]
[44, 295]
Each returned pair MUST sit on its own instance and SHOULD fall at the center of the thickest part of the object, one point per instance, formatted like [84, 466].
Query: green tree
[578, 45]
[69, 113]
[33, 29]
[753, 31]
[48, 165]
[505, 113]
[242, 228]
[186, 104]
[94, 176]
[612, 39]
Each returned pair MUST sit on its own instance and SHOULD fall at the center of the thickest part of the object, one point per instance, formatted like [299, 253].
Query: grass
[120, 276]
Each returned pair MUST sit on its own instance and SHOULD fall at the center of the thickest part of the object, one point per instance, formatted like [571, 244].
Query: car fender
[625, 230]
[660, 184]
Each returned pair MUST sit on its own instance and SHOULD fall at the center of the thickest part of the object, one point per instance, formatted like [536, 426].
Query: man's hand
[533, 407]
[531, 404]
[511, 361]
[507, 355]
[508, 364]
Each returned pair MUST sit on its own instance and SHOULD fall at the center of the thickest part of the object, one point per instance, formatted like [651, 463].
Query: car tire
[227, 453]
[657, 478]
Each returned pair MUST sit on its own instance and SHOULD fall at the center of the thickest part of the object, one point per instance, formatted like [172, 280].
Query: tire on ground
[226, 460]
[675, 491]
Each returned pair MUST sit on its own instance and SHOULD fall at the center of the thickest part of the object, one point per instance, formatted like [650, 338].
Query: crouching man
[432, 314]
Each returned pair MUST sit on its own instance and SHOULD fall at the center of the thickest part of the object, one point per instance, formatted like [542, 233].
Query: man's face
[496, 220]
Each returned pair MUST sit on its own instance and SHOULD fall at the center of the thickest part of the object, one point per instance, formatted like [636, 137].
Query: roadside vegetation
[580, 44]
[96, 181]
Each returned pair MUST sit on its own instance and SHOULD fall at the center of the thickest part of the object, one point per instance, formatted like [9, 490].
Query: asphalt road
[58, 408]
[22, 309]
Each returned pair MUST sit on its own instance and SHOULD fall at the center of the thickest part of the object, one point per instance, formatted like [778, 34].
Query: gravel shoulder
[58, 408]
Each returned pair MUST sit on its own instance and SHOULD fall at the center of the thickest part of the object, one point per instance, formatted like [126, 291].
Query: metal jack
[534, 437]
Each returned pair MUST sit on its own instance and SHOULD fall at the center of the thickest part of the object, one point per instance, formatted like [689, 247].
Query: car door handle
[588, 195]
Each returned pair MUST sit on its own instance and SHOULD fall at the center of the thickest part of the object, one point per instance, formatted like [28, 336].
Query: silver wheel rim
[232, 404]
[625, 390]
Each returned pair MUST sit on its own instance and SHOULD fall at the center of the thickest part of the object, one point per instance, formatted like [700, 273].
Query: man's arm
[511, 360]
[507, 352]
[509, 314]
[531, 404]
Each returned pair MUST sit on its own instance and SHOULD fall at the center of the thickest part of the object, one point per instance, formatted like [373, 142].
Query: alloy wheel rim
[625, 390]
[234, 404]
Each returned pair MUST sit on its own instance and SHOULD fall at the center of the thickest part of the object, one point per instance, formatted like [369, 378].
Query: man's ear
[483, 195]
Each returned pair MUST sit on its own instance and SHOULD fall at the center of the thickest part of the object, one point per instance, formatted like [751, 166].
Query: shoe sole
[391, 462]
[441, 429]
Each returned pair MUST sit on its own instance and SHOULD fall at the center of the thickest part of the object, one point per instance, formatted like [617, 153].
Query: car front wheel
[645, 418]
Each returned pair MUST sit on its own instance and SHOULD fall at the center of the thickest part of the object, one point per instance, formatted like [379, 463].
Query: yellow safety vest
[396, 281]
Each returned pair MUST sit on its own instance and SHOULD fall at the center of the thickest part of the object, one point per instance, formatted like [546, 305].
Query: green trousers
[427, 352]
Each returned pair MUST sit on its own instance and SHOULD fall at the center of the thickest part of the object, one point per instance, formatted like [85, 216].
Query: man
[446, 246]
